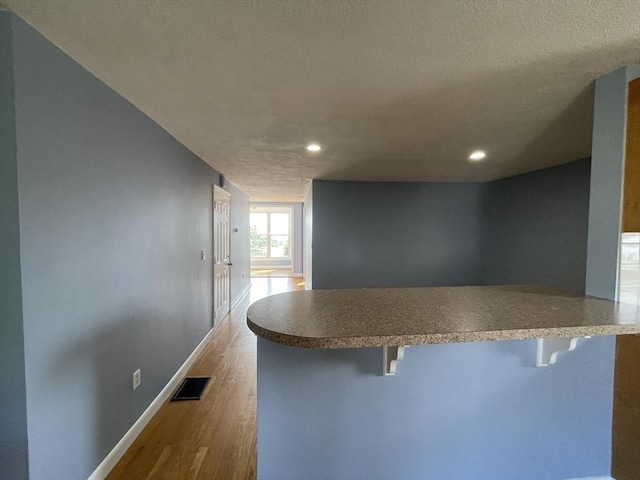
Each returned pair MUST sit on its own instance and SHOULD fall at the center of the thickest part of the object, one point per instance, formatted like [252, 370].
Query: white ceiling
[394, 90]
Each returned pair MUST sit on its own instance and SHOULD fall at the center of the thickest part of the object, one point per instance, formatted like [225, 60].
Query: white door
[221, 260]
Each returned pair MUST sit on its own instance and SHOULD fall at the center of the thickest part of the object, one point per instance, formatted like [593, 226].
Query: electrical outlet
[136, 379]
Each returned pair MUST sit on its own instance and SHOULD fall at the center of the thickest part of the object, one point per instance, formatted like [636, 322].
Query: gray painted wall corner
[633, 72]
[607, 173]
[531, 228]
[536, 227]
[14, 463]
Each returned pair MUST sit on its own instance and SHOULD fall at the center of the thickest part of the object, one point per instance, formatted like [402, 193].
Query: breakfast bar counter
[468, 401]
[355, 318]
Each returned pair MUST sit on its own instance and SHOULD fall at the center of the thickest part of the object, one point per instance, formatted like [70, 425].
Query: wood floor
[271, 272]
[214, 438]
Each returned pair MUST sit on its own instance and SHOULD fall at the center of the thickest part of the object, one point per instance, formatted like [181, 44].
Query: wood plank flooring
[214, 438]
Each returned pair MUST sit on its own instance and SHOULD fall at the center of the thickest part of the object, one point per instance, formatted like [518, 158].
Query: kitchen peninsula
[326, 411]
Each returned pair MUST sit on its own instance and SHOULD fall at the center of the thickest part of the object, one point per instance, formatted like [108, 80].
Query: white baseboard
[240, 297]
[125, 442]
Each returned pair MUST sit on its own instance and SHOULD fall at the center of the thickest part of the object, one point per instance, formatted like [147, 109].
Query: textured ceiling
[393, 90]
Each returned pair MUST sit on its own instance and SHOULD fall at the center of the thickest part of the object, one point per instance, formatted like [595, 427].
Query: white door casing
[221, 260]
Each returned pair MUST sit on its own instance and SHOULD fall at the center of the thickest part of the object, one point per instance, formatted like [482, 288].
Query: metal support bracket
[390, 357]
[549, 348]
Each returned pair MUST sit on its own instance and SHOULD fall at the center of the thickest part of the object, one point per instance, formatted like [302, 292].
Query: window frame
[269, 209]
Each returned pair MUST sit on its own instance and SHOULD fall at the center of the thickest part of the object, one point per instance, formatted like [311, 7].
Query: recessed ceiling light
[477, 155]
[313, 147]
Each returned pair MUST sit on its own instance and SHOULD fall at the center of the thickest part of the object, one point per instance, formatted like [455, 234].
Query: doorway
[272, 240]
[221, 260]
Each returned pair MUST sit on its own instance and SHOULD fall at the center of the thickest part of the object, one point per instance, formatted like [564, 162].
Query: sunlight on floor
[263, 287]
[271, 272]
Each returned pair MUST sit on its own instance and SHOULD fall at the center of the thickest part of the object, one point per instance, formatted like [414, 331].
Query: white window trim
[266, 262]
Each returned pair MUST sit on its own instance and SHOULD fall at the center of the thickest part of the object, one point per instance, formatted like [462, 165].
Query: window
[630, 248]
[270, 232]
[629, 284]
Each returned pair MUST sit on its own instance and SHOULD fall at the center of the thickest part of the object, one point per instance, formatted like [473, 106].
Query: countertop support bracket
[549, 348]
[390, 358]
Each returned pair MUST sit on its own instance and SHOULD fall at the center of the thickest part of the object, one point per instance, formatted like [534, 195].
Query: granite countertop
[354, 318]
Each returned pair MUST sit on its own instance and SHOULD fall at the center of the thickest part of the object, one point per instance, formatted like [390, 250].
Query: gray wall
[308, 238]
[13, 411]
[239, 241]
[605, 216]
[531, 228]
[371, 234]
[113, 215]
[298, 237]
[536, 227]
[472, 411]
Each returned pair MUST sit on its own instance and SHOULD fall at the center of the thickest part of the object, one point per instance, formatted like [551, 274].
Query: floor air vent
[191, 388]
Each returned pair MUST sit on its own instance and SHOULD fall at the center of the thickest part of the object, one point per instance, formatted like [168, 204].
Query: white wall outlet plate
[136, 379]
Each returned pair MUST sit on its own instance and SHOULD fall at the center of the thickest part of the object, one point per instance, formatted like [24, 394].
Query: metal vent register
[192, 388]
